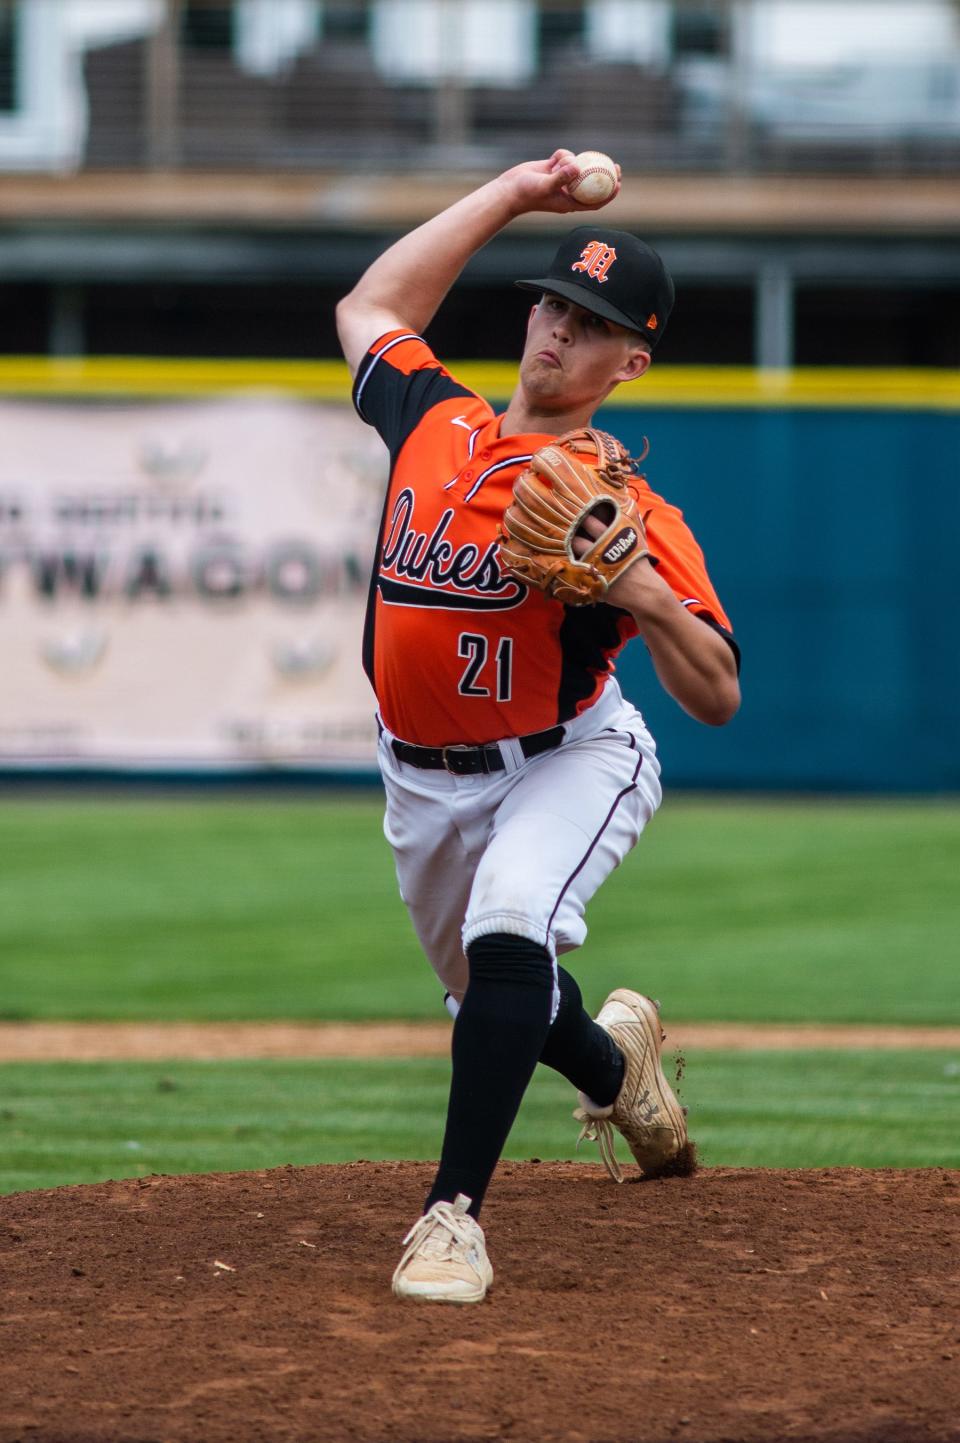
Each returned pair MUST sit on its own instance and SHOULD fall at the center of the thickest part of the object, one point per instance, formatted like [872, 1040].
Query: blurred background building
[196, 182]
[205, 177]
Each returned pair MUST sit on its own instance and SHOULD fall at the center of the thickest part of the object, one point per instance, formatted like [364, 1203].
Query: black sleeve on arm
[395, 402]
[721, 631]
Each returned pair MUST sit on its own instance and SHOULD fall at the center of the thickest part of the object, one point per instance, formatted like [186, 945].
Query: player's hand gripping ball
[598, 178]
[580, 474]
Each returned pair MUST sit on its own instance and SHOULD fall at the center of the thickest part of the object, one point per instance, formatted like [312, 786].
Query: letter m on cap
[595, 260]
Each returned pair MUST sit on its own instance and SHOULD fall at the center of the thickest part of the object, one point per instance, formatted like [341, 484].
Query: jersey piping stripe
[491, 470]
[470, 445]
[624, 792]
[691, 601]
[362, 380]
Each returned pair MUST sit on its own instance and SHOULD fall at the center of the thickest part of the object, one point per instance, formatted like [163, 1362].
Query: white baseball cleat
[645, 1112]
[446, 1258]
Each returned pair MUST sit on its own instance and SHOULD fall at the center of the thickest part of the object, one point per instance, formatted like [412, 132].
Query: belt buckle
[456, 747]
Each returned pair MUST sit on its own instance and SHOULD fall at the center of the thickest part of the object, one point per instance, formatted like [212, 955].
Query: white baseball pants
[523, 850]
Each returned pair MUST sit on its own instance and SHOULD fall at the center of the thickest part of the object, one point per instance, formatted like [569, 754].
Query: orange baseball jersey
[456, 650]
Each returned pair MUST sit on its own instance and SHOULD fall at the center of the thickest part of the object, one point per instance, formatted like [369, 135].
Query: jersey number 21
[476, 649]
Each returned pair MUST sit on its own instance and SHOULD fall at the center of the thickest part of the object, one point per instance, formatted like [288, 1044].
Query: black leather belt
[465, 761]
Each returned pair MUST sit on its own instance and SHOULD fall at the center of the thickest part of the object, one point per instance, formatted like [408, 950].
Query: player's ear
[637, 362]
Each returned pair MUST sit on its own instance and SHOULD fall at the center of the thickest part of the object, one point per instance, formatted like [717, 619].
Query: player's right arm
[404, 287]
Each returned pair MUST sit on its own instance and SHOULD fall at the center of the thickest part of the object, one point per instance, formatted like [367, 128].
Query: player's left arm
[694, 663]
[670, 597]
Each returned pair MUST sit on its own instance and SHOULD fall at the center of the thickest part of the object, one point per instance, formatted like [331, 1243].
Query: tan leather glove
[580, 474]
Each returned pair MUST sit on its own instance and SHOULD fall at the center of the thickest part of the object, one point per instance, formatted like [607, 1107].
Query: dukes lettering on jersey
[417, 569]
[456, 649]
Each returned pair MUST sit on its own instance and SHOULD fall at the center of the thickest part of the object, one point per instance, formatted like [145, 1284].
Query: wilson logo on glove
[621, 546]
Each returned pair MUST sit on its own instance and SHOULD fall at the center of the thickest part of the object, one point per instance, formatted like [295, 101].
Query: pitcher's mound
[253, 1307]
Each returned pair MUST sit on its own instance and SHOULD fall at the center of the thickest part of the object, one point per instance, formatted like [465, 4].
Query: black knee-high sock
[497, 1038]
[583, 1052]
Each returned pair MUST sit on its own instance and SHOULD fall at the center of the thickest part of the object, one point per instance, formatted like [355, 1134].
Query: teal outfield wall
[832, 537]
[828, 505]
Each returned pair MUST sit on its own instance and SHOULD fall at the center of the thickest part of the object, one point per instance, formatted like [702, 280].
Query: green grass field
[84, 1122]
[265, 908]
[197, 908]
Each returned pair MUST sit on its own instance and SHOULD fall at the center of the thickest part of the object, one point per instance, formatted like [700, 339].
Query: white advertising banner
[183, 585]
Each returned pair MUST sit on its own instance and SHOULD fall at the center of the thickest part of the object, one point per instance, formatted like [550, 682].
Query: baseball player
[517, 777]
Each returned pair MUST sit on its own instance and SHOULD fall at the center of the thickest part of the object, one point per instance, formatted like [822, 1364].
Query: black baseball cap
[615, 275]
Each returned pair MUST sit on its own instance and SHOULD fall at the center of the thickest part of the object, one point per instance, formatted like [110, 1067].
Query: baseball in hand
[597, 180]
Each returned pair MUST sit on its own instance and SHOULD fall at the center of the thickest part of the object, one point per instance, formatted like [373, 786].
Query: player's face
[574, 358]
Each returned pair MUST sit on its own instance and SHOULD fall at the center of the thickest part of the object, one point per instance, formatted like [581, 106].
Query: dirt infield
[735, 1305]
[217, 1041]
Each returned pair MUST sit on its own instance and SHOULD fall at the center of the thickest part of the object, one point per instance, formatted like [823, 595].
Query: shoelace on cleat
[600, 1131]
[438, 1232]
